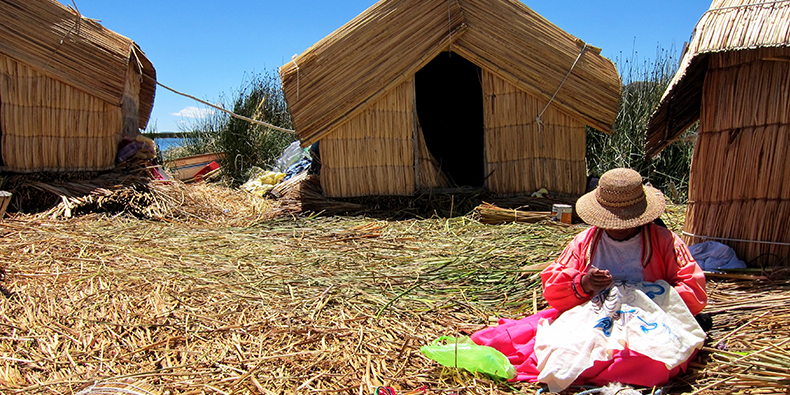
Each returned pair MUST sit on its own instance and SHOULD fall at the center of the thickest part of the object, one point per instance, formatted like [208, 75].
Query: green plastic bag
[463, 353]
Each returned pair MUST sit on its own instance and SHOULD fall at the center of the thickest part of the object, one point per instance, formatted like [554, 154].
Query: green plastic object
[463, 353]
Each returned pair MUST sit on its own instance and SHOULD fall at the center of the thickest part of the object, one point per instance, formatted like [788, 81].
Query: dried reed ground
[304, 304]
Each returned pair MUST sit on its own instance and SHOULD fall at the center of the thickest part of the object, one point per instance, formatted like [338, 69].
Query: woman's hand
[596, 280]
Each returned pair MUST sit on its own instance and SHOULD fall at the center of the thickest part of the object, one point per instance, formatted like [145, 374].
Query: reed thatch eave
[372, 53]
[386, 44]
[533, 54]
[147, 85]
[729, 25]
[68, 47]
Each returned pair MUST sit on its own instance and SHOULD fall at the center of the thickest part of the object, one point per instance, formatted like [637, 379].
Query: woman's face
[622, 234]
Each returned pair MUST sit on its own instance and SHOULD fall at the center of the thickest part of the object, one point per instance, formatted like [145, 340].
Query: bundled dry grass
[130, 189]
[301, 304]
[488, 213]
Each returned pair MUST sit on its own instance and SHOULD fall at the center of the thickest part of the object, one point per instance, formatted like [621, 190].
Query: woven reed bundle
[129, 189]
[740, 24]
[488, 213]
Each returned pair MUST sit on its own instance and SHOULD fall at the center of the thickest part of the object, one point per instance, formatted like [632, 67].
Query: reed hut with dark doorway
[419, 94]
[735, 80]
[69, 89]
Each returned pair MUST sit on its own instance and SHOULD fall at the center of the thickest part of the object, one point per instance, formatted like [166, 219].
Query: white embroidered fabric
[649, 318]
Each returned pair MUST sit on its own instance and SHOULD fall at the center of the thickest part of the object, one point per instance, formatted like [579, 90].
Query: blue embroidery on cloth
[648, 326]
[652, 294]
[605, 324]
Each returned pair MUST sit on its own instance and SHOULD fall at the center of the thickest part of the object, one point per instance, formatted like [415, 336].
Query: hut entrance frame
[1, 121]
[449, 100]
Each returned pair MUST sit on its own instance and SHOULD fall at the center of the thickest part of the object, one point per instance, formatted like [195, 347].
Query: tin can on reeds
[5, 198]
[562, 213]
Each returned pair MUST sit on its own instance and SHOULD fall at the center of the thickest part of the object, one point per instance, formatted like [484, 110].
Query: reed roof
[383, 46]
[729, 25]
[78, 51]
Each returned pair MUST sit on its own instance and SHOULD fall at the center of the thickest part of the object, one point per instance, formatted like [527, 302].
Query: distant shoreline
[165, 143]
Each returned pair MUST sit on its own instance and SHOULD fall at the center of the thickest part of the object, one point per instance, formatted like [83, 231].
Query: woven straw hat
[621, 201]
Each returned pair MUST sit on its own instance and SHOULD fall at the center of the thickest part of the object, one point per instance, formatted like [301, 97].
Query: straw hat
[621, 201]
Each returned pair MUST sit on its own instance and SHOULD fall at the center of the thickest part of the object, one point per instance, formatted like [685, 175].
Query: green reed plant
[246, 145]
[644, 82]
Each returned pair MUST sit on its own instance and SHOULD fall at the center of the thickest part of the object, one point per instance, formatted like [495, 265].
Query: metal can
[562, 213]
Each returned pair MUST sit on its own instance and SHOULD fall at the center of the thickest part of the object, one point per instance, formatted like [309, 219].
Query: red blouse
[664, 257]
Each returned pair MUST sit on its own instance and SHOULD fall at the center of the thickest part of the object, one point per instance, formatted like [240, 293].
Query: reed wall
[524, 156]
[739, 186]
[373, 152]
[50, 126]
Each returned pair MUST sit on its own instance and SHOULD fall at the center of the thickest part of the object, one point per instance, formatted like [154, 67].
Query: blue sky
[207, 48]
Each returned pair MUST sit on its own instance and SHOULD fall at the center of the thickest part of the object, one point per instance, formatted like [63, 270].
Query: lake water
[167, 143]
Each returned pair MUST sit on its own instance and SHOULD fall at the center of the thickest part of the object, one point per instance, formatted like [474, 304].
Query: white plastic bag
[291, 154]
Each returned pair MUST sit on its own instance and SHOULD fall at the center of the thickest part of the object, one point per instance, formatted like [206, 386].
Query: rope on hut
[703, 237]
[293, 59]
[79, 18]
[231, 113]
[540, 123]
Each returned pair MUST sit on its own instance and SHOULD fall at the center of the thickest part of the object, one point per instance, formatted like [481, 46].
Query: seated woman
[623, 296]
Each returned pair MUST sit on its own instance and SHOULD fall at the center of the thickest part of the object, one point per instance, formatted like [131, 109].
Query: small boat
[186, 168]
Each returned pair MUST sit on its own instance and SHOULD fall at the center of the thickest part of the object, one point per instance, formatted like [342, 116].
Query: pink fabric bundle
[516, 339]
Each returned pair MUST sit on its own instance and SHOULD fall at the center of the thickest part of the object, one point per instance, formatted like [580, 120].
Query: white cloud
[194, 112]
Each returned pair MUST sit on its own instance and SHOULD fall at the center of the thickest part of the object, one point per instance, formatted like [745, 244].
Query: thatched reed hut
[418, 94]
[735, 79]
[69, 89]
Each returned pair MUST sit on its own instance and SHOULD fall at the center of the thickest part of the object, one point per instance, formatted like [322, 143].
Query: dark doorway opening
[1, 125]
[450, 110]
